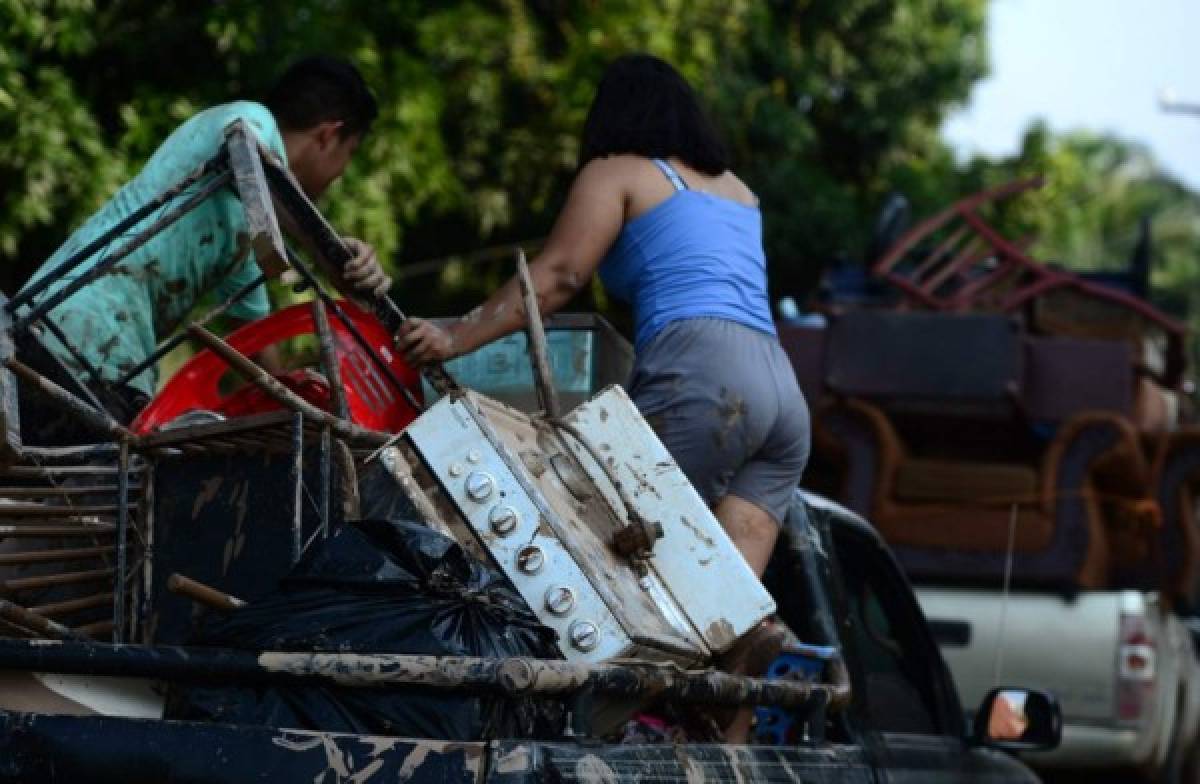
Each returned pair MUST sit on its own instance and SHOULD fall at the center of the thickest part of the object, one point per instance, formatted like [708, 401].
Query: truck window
[898, 691]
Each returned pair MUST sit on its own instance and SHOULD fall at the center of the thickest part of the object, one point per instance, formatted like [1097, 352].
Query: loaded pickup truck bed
[904, 723]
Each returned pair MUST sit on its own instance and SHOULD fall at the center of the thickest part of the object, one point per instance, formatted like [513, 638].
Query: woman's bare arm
[586, 228]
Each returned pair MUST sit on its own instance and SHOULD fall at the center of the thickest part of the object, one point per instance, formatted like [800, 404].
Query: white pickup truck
[1123, 667]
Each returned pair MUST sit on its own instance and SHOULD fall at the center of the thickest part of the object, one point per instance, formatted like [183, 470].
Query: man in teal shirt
[313, 119]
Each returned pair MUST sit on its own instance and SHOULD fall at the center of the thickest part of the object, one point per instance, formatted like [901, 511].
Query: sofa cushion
[964, 482]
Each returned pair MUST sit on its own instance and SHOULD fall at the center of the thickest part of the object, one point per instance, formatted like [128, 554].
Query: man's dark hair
[645, 107]
[319, 89]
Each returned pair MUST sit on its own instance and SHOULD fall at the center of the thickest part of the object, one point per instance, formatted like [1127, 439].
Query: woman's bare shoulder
[741, 191]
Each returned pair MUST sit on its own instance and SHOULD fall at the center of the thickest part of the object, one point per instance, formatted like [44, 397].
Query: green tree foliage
[482, 106]
[54, 159]
[824, 102]
[826, 105]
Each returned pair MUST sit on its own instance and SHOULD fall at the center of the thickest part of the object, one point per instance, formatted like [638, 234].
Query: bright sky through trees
[1088, 64]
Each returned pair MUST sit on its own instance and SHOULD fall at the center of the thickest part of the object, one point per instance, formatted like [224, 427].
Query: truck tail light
[1137, 670]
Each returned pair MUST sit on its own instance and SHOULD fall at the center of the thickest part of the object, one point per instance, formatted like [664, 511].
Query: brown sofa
[949, 520]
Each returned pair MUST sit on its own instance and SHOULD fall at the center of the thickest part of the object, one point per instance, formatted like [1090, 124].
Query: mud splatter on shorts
[724, 400]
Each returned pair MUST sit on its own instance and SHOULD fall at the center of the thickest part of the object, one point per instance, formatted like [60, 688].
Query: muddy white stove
[591, 520]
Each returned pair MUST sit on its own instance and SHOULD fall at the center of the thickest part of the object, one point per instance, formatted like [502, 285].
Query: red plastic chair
[373, 399]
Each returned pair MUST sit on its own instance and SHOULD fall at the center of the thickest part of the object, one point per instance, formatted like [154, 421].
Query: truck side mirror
[1018, 720]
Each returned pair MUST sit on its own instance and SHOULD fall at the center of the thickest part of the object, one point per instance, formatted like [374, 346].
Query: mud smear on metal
[697, 532]
[720, 634]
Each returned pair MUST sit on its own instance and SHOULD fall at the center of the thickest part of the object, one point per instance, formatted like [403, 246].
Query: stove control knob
[560, 600]
[480, 486]
[503, 519]
[584, 636]
[531, 559]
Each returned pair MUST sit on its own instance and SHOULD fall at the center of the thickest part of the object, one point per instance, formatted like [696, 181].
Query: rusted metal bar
[220, 180]
[15, 613]
[50, 580]
[119, 228]
[122, 542]
[967, 256]
[73, 605]
[930, 261]
[329, 360]
[100, 421]
[916, 234]
[173, 342]
[53, 556]
[251, 371]
[542, 375]
[513, 676]
[204, 594]
[89, 368]
[1005, 267]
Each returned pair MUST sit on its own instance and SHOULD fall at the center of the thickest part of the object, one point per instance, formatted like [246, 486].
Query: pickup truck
[904, 722]
[1121, 664]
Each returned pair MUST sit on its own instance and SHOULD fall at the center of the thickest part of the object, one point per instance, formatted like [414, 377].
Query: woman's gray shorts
[724, 400]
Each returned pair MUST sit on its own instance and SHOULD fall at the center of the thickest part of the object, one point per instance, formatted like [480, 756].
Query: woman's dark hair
[318, 89]
[645, 107]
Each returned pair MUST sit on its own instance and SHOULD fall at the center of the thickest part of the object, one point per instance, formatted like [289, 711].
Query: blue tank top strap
[669, 172]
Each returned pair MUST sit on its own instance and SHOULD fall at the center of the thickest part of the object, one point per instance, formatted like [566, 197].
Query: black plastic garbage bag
[382, 587]
[381, 497]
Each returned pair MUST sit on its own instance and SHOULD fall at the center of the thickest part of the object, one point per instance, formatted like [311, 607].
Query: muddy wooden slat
[204, 594]
[55, 556]
[50, 580]
[85, 520]
[255, 195]
[15, 613]
[329, 360]
[36, 531]
[222, 443]
[196, 434]
[73, 605]
[41, 510]
[95, 630]
[12, 630]
[49, 472]
[56, 492]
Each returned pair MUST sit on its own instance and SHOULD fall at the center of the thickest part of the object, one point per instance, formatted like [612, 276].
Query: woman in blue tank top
[657, 211]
